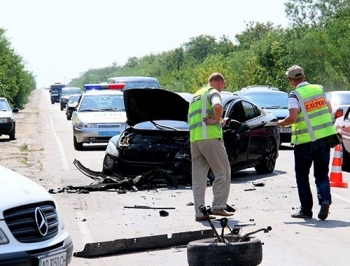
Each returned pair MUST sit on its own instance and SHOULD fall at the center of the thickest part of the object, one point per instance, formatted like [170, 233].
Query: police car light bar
[114, 86]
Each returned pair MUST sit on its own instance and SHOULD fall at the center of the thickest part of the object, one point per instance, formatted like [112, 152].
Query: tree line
[317, 38]
[16, 83]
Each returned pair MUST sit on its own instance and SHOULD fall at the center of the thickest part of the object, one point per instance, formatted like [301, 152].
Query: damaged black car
[158, 137]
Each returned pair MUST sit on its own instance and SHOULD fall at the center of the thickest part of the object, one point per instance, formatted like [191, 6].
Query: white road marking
[60, 147]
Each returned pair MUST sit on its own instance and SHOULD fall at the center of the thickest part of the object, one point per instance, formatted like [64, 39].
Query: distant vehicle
[65, 93]
[158, 136]
[7, 119]
[100, 115]
[71, 104]
[32, 231]
[130, 82]
[271, 100]
[55, 92]
[340, 101]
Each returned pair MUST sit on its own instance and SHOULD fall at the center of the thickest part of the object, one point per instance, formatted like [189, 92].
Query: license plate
[3, 120]
[285, 130]
[59, 259]
[108, 133]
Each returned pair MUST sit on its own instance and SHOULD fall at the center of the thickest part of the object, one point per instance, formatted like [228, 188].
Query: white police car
[99, 115]
[31, 227]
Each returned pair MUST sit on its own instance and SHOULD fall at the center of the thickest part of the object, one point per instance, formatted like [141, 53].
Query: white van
[31, 227]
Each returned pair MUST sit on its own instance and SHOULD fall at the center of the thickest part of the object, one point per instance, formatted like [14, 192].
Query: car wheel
[52, 102]
[210, 252]
[268, 161]
[77, 145]
[13, 133]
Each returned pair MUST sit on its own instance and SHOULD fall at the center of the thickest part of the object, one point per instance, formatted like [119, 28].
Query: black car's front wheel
[268, 161]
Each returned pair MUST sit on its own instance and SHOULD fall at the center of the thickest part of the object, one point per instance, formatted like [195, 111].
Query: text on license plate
[285, 130]
[59, 259]
[107, 133]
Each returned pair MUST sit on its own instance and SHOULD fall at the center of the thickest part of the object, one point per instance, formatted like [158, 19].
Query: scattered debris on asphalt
[148, 207]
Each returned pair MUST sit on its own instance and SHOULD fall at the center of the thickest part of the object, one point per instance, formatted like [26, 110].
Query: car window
[269, 100]
[237, 112]
[250, 110]
[102, 102]
[4, 106]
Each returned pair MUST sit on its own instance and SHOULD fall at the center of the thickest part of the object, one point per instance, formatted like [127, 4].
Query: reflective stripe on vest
[314, 121]
[199, 109]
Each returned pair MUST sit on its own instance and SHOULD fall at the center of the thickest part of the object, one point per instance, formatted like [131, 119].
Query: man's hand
[210, 120]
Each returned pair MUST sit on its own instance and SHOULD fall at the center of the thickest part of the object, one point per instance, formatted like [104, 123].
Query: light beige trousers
[210, 153]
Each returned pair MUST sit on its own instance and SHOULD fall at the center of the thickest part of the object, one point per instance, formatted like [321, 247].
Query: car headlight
[112, 149]
[86, 125]
[3, 239]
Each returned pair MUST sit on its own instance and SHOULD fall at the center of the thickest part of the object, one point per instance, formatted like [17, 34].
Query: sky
[61, 39]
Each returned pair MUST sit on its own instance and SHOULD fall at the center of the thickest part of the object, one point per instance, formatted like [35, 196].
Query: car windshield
[270, 100]
[141, 84]
[70, 91]
[73, 99]
[97, 103]
[341, 99]
[4, 106]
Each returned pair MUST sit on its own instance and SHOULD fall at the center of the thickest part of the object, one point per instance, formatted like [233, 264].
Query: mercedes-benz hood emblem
[41, 221]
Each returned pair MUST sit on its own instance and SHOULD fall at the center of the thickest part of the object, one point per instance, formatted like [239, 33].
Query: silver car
[340, 101]
[100, 115]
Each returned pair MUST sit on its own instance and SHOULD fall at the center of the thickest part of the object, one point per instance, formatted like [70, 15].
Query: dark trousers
[318, 153]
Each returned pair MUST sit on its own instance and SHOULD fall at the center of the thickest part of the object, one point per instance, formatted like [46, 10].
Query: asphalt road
[101, 216]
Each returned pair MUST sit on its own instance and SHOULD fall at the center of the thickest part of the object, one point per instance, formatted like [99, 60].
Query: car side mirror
[15, 110]
[72, 108]
[232, 124]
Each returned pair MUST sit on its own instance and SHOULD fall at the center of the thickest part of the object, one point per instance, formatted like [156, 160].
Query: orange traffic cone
[336, 177]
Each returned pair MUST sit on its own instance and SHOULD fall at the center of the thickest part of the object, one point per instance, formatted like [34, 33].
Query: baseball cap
[295, 72]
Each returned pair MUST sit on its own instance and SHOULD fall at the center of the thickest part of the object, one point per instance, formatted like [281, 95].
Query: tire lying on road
[211, 252]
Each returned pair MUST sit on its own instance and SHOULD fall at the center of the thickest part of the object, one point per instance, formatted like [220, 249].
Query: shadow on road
[322, 224]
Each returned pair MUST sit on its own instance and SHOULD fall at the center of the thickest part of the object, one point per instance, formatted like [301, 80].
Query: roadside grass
[25, 150]
[24, 147]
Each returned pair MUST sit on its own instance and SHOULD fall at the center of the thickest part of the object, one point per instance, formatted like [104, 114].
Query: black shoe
[301, 215]
[323, 214]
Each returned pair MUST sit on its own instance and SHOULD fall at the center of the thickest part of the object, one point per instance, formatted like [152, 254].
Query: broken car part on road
[136, 244]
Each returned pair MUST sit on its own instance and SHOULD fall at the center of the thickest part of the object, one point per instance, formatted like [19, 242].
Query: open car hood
[154, 104]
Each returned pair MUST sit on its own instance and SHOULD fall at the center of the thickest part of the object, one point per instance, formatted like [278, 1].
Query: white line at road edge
[60, 147]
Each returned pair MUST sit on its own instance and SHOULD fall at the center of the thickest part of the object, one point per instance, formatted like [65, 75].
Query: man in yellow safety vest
[310, 117]
[207, 147]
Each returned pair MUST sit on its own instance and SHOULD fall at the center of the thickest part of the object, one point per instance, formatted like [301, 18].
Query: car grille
[22, 224]
[108, 125]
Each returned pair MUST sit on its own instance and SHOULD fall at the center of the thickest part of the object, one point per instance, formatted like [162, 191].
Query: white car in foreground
[31, 227]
